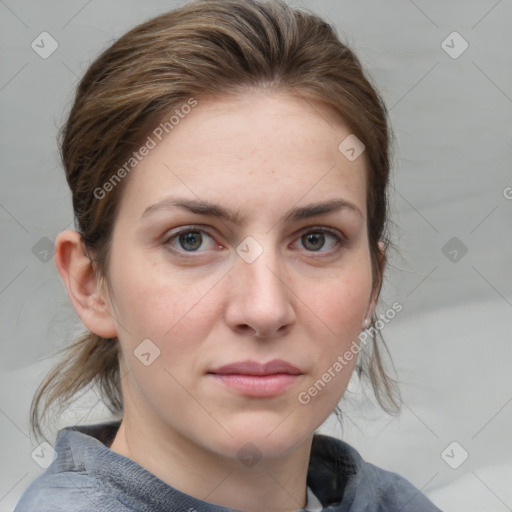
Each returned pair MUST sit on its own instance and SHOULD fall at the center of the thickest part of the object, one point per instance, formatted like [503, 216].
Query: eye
[190, 240]
[321, 240]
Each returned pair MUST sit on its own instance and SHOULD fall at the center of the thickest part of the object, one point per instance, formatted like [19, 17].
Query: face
[240, 255]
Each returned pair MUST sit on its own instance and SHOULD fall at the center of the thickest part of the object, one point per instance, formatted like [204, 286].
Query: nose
[260, 300]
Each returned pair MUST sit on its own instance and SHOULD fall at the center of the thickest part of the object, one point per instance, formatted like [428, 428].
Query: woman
[228, 163]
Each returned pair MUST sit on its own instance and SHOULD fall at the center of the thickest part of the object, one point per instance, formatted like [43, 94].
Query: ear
[374, 297]
[84, 289]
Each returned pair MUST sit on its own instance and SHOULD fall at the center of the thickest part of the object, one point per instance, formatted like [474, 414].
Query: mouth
[256, 379]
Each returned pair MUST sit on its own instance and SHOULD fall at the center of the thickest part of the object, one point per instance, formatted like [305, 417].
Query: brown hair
[204, 48]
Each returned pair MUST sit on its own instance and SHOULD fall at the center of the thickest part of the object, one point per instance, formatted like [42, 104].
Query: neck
[272, 485]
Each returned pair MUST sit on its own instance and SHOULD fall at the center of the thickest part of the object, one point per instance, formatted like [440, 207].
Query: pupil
[314, 241]
[191, 241]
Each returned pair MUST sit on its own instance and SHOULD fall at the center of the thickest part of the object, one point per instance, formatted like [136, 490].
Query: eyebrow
[206, 208]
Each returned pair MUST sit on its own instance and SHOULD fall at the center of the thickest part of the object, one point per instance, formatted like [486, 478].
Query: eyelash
[340, 240]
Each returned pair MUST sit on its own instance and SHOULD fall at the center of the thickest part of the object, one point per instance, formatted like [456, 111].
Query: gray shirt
[88, 476]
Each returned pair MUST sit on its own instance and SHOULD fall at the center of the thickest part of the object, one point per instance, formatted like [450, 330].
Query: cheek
[341, 302]
[176, 315]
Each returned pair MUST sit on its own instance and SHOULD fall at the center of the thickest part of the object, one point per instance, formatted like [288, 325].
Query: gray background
[452, 120]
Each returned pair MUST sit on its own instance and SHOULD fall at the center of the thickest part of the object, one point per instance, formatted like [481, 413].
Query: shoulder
[70, 483]
[394, 492]
[343, 477]
[64, 492]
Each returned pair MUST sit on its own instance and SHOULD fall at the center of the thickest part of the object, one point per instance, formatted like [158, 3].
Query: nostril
[247, 329]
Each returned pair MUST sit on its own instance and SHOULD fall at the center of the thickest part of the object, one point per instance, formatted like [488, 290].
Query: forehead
[257, 150]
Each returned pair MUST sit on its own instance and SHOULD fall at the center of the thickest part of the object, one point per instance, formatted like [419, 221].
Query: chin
[261, 434]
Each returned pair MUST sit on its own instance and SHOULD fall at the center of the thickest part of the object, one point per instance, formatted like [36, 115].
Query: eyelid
[185, 229]
[324, 229]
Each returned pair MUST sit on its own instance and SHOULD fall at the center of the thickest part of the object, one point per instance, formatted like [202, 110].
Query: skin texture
[261, 155]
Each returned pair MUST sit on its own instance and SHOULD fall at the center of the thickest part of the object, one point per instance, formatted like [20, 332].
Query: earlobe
[369, 311]
[381, 259]
[383, 248]
[84, 290]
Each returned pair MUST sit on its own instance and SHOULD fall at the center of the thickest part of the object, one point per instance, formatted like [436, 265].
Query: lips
[256, 379]
[277, 366]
